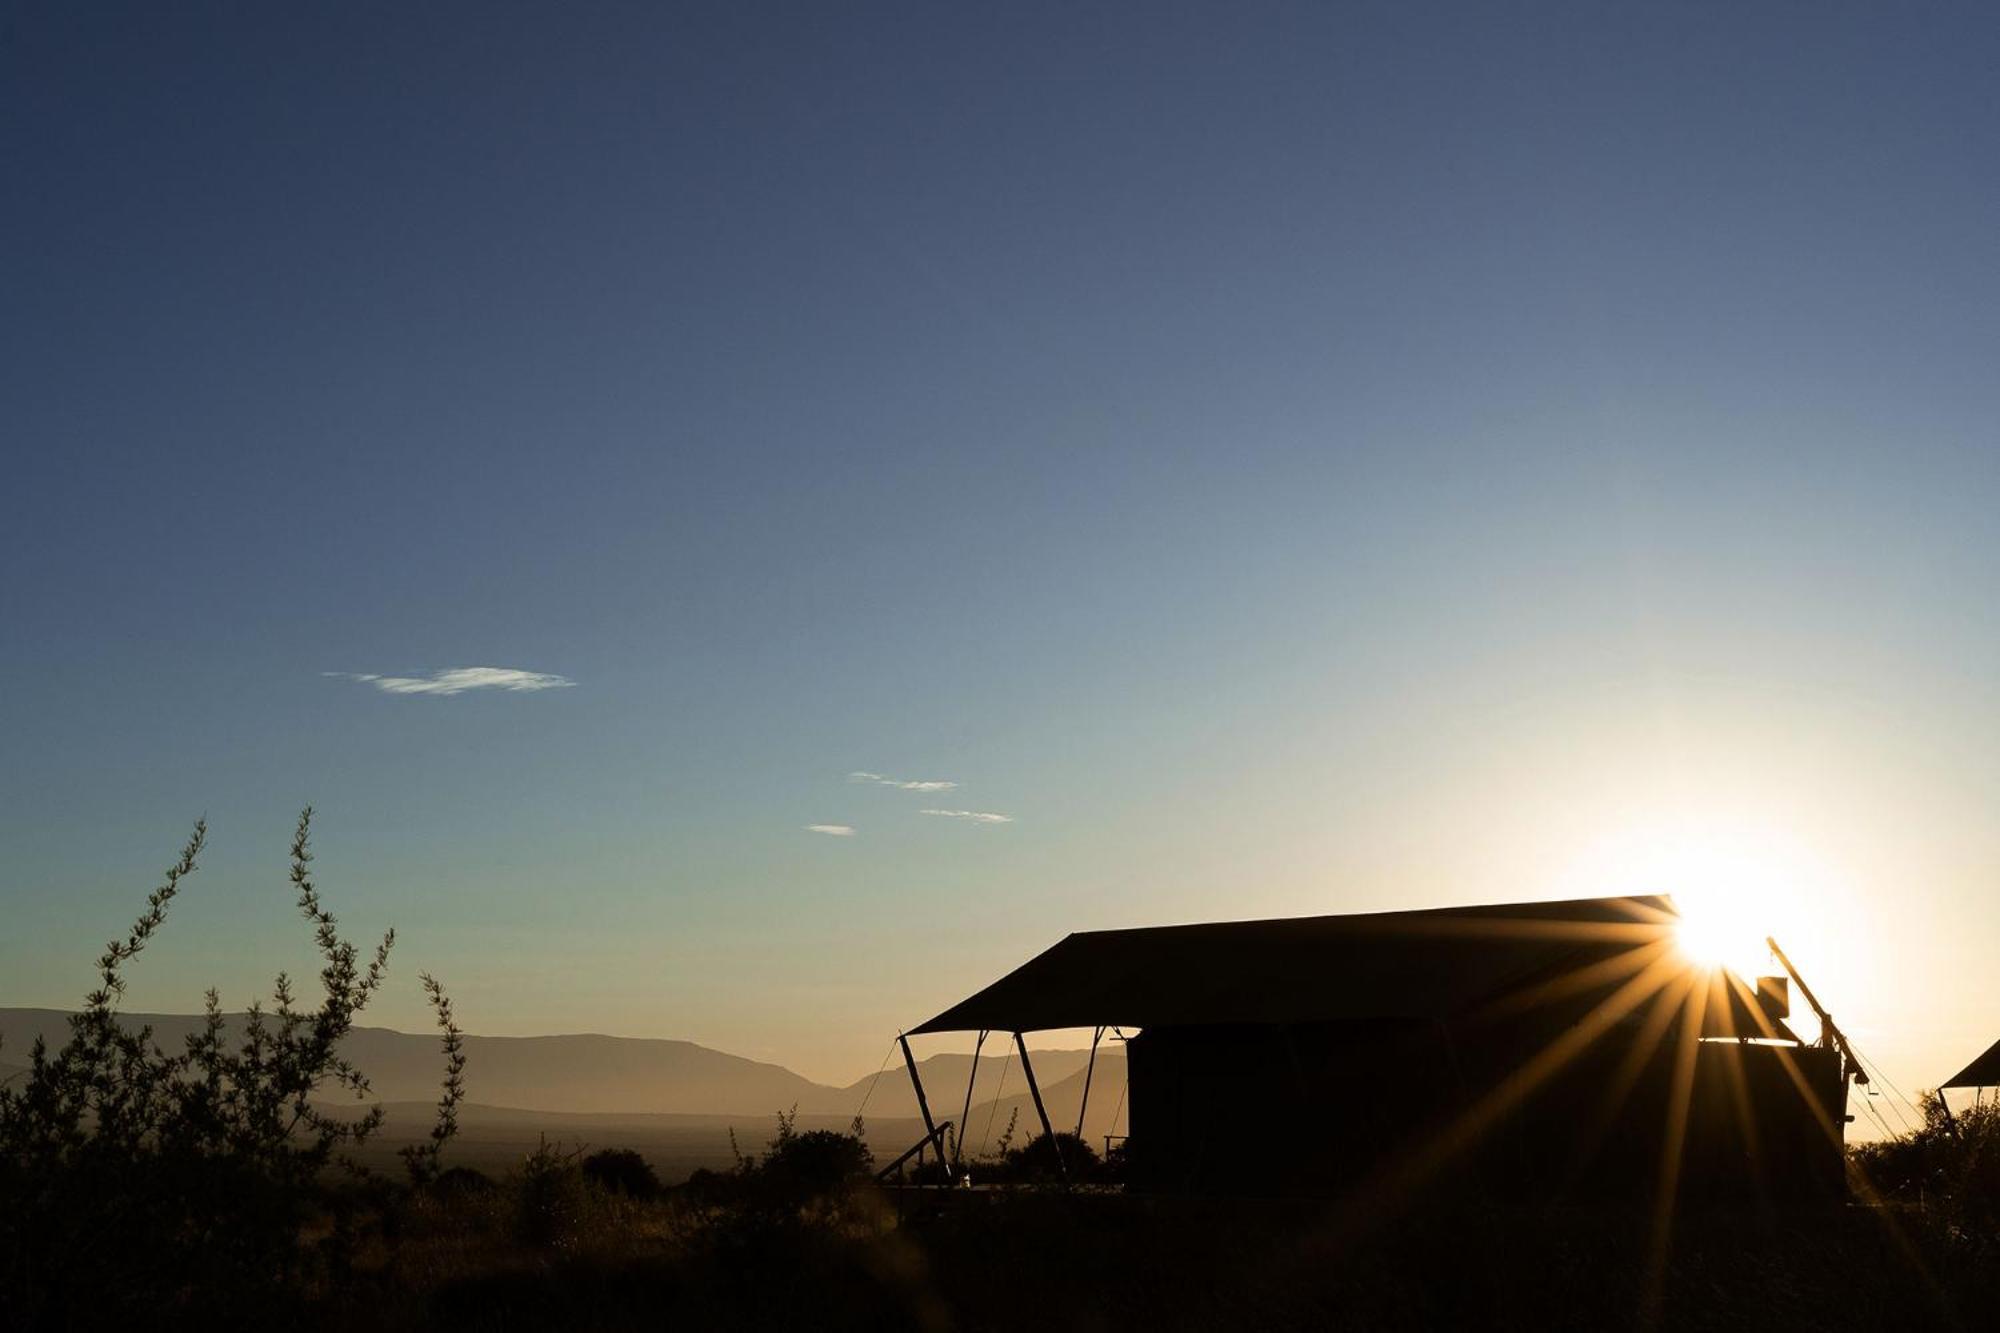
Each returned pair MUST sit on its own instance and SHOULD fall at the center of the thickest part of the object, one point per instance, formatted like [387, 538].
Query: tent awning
[1981, 1073]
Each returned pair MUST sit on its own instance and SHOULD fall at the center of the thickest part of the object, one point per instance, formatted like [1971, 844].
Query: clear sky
[1284, 458]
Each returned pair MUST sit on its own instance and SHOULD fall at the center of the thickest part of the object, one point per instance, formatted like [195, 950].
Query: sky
[1283, 459]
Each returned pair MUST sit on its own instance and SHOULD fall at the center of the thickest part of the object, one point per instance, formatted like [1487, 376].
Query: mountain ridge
[603, 1074]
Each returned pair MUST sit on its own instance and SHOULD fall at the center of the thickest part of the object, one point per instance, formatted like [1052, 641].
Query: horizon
[746, 527]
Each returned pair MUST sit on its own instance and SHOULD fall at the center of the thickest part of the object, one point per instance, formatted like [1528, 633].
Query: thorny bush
[140, 1180]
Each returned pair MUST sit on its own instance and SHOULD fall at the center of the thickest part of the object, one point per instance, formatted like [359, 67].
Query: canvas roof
[1981, 1073]
[1385, 966]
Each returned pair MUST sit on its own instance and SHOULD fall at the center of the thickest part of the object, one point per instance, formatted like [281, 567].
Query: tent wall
[1321, 1108]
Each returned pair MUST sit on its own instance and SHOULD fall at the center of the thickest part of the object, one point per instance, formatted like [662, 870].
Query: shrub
[140, 1181]
[462, 1182]
[1050, 1158]
[555, 1203]
[1950, 1163]
[622, 1171]
[813, 1164]
[798, 1169]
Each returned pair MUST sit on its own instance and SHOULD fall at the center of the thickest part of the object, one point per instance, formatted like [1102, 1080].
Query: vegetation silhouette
[142, 1181]
[622, 1171]
[1948, 1166]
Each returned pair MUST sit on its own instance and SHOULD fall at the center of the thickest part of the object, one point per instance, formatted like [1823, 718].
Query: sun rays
[1665, 991]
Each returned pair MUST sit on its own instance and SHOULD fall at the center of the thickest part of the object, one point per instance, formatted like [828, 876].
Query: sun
[1735, 886]
[1707, 941]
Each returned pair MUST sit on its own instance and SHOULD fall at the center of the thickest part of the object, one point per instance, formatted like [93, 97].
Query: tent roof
[1375, 966]
[1981, 1073]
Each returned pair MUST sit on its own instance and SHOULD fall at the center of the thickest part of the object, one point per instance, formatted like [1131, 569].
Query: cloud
[976, 816]
[832, 830]
[878, 780]
[458, 680]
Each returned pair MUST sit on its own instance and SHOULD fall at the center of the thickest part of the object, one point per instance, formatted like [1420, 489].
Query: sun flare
[1706, 941]
[1734, 886]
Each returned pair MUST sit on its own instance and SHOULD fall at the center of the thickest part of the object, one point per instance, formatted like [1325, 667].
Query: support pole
[965, 1116]
[923, 1104]
[1089, 1068]
[1035, 1091]
[1830, 1036]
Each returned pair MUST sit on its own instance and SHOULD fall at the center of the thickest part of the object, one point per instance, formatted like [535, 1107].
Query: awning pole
[923, 1104]
[965, 1116]
[1035, 1091]
[1084, 1105]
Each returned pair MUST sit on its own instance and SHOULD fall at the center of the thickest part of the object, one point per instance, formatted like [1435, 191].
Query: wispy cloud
[458, 680]
[976, 816]
[878, 780]
[832, 830]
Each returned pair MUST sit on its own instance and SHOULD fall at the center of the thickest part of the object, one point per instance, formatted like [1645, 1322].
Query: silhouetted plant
[622, 1171]
[136, 1179]
[421, 1159]
[1949, 1164]
[1052, 1157]
[800, 1165]
[461, 1182]
[556, 1201]
[1007, 1137]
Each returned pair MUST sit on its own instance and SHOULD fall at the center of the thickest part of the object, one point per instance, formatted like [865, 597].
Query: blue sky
[1286, 458]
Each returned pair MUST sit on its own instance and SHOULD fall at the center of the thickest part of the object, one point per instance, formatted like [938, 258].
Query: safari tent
[1559, 1048]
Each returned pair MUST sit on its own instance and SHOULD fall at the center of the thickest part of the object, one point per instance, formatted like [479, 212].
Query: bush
[140, 1182]
[1950, 1164]
[799, 1169]
[622, 1171]
[462, 1182]
[1052, 1158]
[555, 1203]
[813, 1164]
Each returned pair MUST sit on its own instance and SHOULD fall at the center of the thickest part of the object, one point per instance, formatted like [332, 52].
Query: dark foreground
[1048, 1260]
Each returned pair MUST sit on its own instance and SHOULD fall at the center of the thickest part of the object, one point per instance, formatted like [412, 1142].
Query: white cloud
[457, 680]
[976, 816]
[832, 830]
[878, 780]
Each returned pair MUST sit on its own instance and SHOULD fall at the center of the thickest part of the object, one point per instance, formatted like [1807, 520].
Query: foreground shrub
[141, 1181]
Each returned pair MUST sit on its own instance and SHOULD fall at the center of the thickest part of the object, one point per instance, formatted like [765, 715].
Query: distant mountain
[639, 1076]
[571, 1073]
